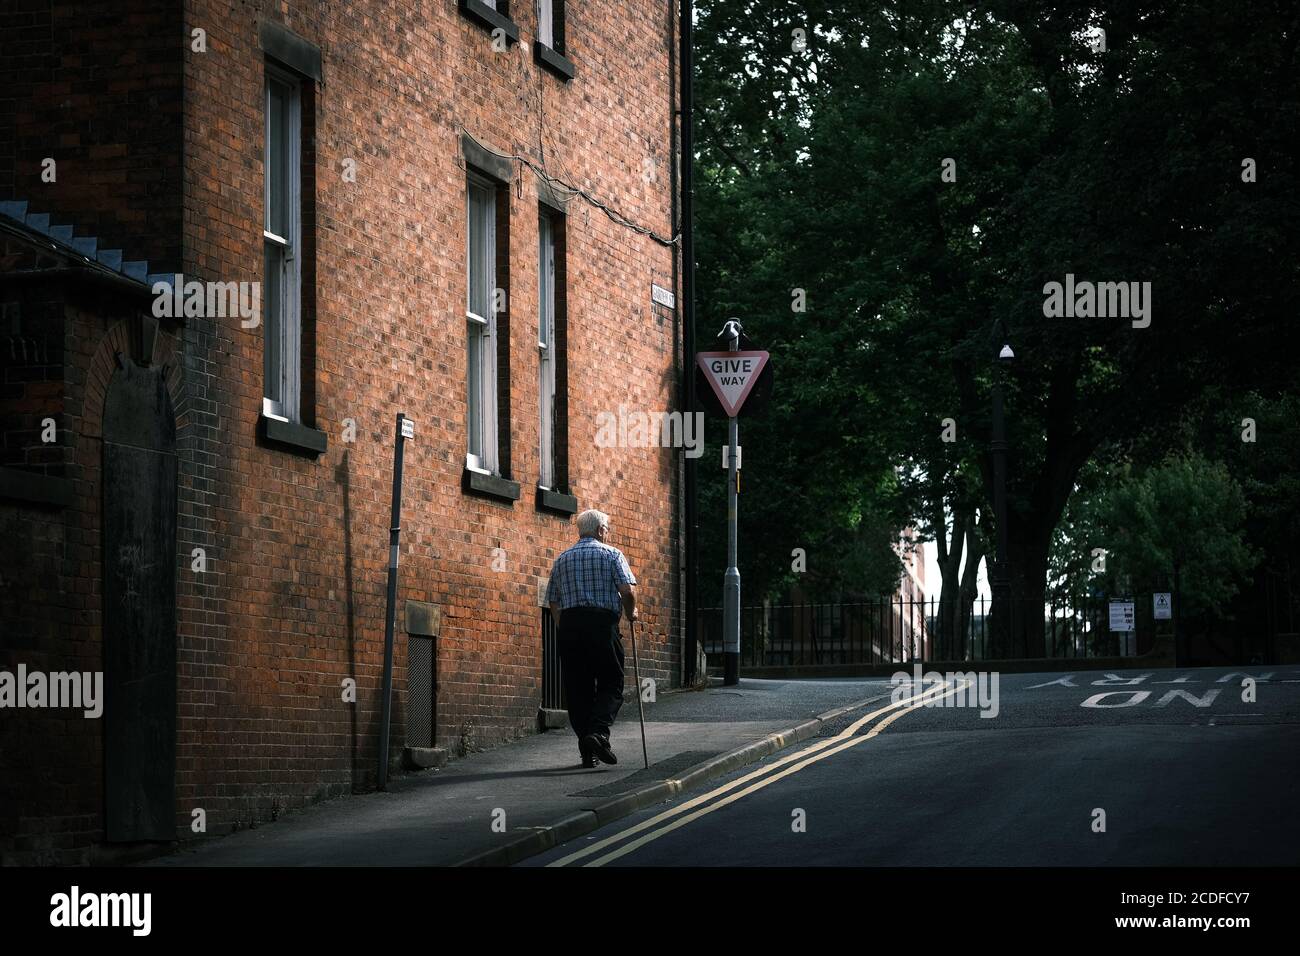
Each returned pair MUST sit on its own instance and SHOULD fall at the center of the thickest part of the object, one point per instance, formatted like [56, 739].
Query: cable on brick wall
[575, 191]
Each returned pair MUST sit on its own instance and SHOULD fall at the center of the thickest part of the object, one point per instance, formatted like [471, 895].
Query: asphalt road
[1133, 768]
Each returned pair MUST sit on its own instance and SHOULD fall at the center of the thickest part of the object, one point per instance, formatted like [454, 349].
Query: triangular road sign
[732, 375]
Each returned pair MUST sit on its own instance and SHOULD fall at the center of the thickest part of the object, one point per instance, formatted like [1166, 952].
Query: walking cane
[636, 669]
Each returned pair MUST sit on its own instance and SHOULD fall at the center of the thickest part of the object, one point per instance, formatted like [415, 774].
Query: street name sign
[732, 375]
[661, 296]
[1121, 615]
[1162, 605]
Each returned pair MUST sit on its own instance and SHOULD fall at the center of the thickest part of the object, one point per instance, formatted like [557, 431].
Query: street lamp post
[1001, 577]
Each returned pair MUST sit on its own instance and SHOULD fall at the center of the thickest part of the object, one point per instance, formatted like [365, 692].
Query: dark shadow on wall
[342, 476]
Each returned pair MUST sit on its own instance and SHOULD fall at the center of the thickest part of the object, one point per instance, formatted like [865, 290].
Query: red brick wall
[292, 601]
[300, 545]
[51, 769]
[31, 364]
[96, 86]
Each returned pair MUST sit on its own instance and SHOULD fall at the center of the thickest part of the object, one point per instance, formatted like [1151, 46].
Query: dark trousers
[591, 659]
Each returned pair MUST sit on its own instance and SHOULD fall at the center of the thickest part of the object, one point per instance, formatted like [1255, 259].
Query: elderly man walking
[590, 584]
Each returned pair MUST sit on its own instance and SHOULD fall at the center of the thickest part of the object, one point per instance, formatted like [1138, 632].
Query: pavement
[1132, 768]
[504, 805]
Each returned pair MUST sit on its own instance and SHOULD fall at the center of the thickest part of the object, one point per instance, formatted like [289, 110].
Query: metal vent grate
[419, 691]
[552, 684]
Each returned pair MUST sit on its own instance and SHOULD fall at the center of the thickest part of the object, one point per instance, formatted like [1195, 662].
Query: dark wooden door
[139, 509]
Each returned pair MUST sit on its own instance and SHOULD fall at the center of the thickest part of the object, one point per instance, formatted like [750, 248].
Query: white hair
[591, 521]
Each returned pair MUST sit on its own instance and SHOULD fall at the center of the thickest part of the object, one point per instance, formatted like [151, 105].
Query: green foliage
[820, 170]
[1179, 524]
[1072, 582]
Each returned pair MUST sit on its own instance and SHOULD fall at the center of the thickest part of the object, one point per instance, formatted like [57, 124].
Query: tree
[811, 482]
[1180, 524]
[824, 172]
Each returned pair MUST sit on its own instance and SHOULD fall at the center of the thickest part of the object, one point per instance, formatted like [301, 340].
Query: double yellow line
[697, 807]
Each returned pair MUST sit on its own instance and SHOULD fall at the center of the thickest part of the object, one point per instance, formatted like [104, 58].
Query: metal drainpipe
[688, 331]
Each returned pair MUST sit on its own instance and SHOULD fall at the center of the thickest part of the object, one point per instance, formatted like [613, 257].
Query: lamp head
[731, 330]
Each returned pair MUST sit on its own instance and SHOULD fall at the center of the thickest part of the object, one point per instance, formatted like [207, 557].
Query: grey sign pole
[405, 430]
[731, 582]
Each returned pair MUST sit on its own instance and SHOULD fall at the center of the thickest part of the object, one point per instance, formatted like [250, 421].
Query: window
[549, 50]
[550, 24]
[281, 241]
[546, 22]
[481, 319]
[546, 348]
[552, 365]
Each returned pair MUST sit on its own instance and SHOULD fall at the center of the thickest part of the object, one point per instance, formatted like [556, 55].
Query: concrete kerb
[593, 818]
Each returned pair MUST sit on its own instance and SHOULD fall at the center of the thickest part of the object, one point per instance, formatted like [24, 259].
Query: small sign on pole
[1121, 616]
[1162, 605]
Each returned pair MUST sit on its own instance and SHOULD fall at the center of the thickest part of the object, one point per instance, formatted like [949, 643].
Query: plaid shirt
[588, 575]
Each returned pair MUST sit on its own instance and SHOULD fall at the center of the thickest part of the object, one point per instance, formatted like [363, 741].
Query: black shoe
[598, 744]
[588, 758]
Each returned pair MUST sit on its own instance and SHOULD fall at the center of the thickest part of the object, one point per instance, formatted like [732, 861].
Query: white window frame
[481, 408]
[286, 380]
[546, 226]
[546, 23]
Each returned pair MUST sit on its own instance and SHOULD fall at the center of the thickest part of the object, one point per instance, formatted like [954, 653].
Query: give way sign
[732, 375]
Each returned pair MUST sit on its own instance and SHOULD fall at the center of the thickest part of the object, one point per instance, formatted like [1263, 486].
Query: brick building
[236, 239]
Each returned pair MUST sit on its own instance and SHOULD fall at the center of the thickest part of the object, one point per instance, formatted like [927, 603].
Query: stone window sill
[490, 486]
[556, 501]
[291, 436]
[556, 62]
